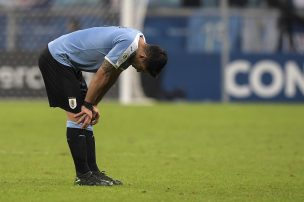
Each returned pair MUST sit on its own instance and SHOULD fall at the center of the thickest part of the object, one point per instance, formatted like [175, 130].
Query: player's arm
[101, 82]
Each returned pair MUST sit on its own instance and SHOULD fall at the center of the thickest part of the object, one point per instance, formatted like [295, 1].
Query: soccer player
[107, 51]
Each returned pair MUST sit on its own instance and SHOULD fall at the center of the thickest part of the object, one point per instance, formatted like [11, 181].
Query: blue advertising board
[251, 77]
[197, 76]
[260, 77]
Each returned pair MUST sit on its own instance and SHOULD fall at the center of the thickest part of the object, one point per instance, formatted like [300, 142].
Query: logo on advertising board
[264, 79]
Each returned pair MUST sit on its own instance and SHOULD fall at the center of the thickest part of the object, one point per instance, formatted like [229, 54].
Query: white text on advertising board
[286, 79]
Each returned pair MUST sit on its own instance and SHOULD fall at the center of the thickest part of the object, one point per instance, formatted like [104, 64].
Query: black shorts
[65, 86]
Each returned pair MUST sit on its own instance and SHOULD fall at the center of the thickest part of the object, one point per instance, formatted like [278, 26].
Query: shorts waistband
[47, 54]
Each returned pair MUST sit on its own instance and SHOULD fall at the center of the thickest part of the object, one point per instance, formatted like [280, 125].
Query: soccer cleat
[89, 179]
[102, 176]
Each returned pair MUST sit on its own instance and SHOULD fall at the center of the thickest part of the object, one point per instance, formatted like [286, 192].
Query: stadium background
[262, 60]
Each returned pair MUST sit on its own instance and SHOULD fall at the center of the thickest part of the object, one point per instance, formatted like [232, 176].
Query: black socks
[91, 153]
[82, 146]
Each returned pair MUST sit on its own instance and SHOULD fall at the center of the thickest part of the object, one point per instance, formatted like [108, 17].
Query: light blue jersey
[86, 49]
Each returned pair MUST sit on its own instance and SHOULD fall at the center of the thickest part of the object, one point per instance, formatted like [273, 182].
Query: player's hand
[96, 115]
[84, 117]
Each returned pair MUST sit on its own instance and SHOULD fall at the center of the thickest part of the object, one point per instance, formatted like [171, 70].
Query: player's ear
[142, 55]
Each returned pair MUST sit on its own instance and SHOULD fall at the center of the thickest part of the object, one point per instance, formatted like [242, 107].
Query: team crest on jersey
[72, 102]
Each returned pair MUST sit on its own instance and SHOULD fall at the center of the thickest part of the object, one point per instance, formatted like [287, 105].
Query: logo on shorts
[72, 103]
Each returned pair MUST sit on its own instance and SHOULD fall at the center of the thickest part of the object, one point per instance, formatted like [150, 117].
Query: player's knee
[71, 124]
[71, 116]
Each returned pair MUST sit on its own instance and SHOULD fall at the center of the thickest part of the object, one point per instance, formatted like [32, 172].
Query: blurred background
[219, 50]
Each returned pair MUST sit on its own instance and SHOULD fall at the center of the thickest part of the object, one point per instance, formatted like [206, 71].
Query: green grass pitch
[165, 152]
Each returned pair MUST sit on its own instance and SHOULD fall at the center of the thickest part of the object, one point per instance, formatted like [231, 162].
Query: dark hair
[156, 59]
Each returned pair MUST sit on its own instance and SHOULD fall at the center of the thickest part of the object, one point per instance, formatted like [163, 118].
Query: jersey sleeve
[124, 48]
